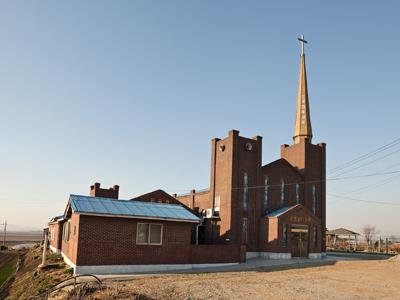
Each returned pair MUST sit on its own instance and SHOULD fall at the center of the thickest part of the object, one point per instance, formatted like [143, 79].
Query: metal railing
[73, 282]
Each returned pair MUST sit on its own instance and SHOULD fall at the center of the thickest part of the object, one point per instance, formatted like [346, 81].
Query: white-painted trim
[132, 269]
[268, 255]
[315, 255]
[250, 255]
[138, 217]
[68, 261]
[276, 255]
[54, 249]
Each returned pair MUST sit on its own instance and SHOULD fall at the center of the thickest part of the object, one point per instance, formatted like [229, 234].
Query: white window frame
[149, 233]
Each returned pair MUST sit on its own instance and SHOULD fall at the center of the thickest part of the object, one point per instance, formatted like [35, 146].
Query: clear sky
[132, 92]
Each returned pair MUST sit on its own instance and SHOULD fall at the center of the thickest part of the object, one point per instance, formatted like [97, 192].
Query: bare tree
[368, 231]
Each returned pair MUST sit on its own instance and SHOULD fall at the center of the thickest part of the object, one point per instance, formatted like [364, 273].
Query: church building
[277, 210]
[274, 211]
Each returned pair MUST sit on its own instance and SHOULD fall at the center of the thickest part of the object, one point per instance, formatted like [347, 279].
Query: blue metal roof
[107, 206]
[278, 212]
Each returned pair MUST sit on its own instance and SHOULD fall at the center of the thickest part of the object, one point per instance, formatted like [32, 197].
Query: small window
[74, 229]
[149, 234]
[166, 201]
[297, 193]
[66, 230]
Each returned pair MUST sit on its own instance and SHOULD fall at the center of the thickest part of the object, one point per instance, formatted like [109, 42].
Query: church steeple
[302, 130]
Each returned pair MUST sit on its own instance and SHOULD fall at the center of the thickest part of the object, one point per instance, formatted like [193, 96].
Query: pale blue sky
[131, 93]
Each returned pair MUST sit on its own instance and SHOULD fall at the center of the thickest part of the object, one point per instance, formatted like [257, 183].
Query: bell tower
[308, 158]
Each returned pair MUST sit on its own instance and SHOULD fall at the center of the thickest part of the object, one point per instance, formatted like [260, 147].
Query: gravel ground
[341, 280]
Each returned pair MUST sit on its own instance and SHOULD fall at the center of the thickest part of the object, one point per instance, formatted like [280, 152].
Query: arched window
[297, 193]
[266, 193]
[314, 199]
[282, 203]
[245, 192]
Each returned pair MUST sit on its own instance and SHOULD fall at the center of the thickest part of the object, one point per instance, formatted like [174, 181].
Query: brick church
[274, 211]
[277, 210]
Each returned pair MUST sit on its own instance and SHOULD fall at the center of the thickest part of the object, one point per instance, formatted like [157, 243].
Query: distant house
[105, 235]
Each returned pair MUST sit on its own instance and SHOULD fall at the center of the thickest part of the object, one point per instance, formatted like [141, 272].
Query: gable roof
[87, 205]
[156, 195]
[290, 209]
[277, 213]
[341, 231]
[282, 161]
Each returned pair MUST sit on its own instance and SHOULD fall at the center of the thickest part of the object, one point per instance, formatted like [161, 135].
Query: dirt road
[342, 280]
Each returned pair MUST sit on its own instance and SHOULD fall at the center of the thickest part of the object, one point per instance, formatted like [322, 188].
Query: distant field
[15, 237]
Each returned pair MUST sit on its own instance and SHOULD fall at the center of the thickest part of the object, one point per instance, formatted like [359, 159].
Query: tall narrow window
[315, 236]
[297, 193]
[284, 235]
[314, 199]
[245, 191]
[244, 230]
[282, 202]
[266, 194]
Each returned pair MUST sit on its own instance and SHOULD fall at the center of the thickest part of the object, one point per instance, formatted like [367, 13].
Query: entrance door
[299, 239]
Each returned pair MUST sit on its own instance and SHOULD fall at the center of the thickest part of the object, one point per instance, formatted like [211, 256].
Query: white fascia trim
[69, 262]
[54, 249]
[132, 269]
[138, 217]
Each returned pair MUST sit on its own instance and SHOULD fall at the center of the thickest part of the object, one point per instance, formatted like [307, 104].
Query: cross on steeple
[302, 41]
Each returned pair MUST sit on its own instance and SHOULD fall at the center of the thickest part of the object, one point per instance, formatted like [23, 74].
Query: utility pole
[379, 244]
[387, 245]
[5, 232]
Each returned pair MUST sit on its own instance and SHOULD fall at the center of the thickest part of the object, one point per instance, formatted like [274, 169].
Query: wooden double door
[299, 241]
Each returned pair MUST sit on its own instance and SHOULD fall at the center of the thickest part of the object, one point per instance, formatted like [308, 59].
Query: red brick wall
[97, 191]
[203, 254]
[310, 159]
[112, 241]
[55, 240]
[202, 200]
[302, 218]
[158, 196]
[69, 248]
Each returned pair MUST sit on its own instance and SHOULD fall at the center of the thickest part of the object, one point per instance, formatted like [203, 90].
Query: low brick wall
[209, 254]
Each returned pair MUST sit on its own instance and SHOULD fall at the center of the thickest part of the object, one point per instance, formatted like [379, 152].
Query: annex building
[274, 211]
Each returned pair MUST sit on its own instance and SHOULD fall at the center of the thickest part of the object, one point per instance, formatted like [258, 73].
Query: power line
[370, 162]
[375, 185]
[362, 200]
[365, 156]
